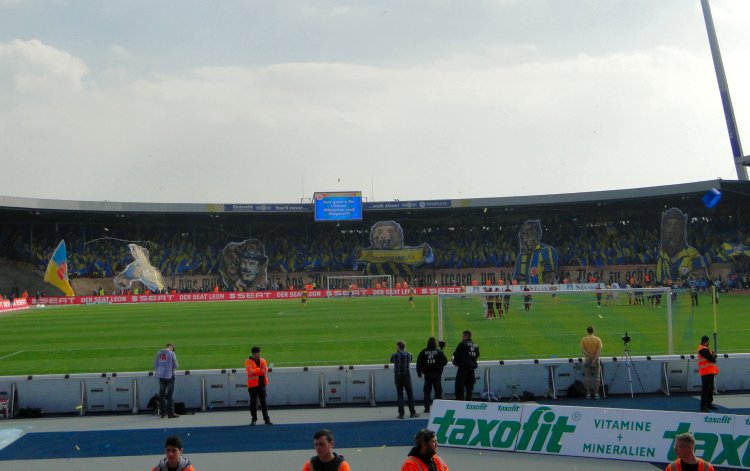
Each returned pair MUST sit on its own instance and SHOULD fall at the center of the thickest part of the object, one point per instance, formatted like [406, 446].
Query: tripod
[630, 365]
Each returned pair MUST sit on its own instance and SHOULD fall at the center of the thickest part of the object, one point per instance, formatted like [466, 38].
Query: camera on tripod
[628, 360]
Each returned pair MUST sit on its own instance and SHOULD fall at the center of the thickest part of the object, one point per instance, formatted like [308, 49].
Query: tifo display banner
[622, 434]
[140, 270]
[235, 296]
[387, 253]
[16, 305]
[244, 265]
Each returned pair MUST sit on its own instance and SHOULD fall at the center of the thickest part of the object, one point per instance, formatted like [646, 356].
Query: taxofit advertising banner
[622, 434]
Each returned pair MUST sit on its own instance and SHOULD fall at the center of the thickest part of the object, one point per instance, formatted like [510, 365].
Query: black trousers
[464, 384]
[403, 383]
[258, 394]
[166, 396]
[432, 380]
[707, 390]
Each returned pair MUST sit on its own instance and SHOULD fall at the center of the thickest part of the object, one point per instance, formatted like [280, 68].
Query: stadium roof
[593, 197]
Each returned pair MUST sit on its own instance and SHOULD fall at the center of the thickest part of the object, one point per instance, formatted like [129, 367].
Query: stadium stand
[593, 231]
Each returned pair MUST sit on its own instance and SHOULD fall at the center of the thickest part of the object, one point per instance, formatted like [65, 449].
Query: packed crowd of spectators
[197, 250]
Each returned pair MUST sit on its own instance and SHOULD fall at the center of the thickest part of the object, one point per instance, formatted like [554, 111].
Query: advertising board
[623, 434]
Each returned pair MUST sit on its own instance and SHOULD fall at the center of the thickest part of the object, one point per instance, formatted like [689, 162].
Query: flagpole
[726, 100]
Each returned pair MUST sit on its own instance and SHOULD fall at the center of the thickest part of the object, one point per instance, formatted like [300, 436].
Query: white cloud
[34, 65]
[732, 13]
[250, 134]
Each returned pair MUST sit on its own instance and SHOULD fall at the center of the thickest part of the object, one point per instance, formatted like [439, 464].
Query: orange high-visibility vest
[677, 465]
[705, 367]
[413, 463]
[254, 371]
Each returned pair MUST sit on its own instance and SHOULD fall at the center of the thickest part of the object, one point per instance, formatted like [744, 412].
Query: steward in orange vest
[708, 371]
[423, 456]
[684, 447]
[257, 379]
[702, 465]
[325, 458]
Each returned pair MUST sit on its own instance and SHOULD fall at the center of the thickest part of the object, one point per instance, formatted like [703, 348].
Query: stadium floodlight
[726, 99]
[361, 281]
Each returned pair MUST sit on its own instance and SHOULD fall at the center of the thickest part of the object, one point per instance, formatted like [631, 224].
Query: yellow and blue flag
[57, 270]
[735, 250]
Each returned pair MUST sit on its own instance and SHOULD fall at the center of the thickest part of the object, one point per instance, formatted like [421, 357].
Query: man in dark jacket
[430, 362]
[465, 358]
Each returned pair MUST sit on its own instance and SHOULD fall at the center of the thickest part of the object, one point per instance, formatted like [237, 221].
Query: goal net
[550, 321]
[384, 282]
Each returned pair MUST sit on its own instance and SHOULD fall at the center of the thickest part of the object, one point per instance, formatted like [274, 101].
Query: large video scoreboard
[338, 205]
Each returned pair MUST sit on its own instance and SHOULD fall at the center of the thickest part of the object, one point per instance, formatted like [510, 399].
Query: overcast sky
[269, 101]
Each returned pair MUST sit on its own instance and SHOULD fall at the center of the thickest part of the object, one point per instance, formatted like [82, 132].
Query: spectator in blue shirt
[401, 360]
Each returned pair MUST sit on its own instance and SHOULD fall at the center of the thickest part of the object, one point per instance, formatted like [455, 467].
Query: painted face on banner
[231, 263]
[528, 236]
[386, 235]
[249, 269]
[673, 231]
[243, 265]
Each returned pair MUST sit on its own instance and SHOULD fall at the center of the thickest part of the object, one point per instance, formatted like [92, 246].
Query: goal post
[549, 320]
[361, 281]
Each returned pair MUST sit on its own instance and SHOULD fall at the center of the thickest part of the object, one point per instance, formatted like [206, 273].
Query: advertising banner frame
[590, 432]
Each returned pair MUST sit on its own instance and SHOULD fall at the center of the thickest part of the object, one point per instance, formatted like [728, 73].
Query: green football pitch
[118, 338]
